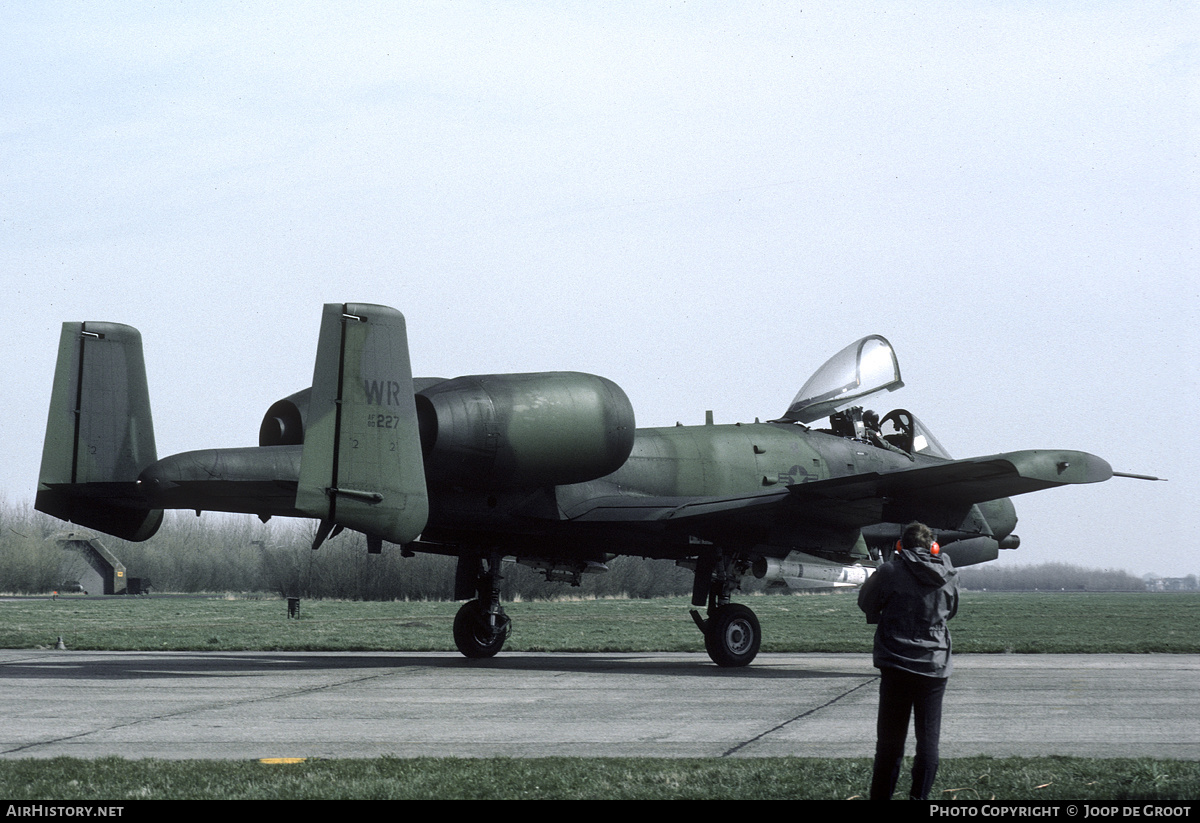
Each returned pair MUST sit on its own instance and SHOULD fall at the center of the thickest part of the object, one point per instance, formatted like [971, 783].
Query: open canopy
[863, 368]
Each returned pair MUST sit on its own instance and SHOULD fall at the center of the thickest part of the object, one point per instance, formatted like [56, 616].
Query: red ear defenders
[934, 549]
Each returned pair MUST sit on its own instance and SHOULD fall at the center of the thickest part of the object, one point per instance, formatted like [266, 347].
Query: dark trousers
[902, 694]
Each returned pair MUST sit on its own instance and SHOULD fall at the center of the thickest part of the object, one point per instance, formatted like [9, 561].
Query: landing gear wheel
[472, 634]
[733, 635]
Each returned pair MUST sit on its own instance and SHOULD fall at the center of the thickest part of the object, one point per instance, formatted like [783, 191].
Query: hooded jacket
[910, 598]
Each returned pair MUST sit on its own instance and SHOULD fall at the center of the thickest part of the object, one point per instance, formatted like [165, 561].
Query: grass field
[1042, 779]
[1073, 622]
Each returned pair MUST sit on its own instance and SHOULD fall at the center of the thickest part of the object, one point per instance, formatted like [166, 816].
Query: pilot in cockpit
[871, 427]
[874, 433]
[857, 424]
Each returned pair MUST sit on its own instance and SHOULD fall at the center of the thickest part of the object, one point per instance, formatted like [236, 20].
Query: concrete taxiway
[290, 704]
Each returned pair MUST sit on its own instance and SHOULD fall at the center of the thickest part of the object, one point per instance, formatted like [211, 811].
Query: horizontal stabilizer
[254, 480]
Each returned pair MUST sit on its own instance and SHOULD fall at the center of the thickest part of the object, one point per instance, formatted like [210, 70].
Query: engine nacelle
[498, 431]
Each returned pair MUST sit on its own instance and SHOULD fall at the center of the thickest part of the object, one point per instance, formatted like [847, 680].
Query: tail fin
[362, 466]
[99, 435]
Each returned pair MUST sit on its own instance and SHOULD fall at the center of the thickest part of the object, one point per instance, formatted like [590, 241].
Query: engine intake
[284, 422]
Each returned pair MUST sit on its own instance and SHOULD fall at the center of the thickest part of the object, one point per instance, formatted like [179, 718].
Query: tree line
[236, 553]
[1047, 577]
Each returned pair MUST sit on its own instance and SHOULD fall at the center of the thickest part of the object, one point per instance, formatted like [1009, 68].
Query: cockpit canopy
[861, 369]
[865, 367]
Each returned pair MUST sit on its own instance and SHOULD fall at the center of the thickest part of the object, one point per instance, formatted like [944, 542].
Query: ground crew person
[909, 599]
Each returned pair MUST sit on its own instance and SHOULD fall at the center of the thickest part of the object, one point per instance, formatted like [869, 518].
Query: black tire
[733, 635]
[472, 634]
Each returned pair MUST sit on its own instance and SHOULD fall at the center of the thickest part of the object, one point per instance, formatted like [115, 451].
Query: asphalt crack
[800, 716]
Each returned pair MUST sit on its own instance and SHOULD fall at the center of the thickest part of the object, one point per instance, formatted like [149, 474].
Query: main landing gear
[481, 626]
[477, 633]
[732, 634]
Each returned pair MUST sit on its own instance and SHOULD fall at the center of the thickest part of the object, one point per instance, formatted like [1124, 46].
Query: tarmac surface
[248, 705]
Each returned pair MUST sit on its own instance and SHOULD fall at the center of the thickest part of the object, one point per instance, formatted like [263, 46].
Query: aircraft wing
[939, 493]
[942, 493]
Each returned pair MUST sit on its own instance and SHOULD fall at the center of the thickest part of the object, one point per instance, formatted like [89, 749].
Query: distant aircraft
[545, 468]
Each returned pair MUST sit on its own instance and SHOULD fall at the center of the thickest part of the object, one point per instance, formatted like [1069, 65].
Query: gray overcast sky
[700, 201]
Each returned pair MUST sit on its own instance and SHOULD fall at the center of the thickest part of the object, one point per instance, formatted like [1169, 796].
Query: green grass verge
[1125, 622]
[977, 778]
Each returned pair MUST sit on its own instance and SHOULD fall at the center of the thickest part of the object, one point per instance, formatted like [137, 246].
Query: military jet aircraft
[547, 469]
